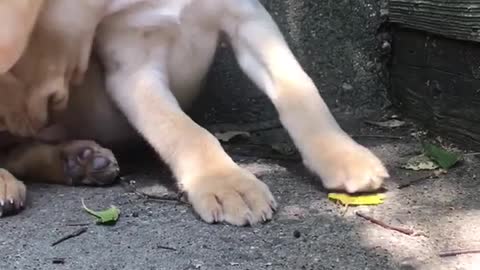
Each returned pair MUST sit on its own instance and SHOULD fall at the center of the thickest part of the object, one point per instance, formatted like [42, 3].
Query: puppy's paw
[12, 194]
[234, 196]
[343, 164]
[87, 163]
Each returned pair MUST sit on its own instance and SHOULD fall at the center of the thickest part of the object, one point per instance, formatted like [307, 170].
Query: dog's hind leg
[266, 58]
[70, 163]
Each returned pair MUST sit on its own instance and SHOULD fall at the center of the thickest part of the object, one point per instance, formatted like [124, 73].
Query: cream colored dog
[155, 54]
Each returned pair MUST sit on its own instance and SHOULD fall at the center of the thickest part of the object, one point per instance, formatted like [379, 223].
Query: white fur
[157, 52]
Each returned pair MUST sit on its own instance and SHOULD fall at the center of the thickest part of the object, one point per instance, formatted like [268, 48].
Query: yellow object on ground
[346, 199]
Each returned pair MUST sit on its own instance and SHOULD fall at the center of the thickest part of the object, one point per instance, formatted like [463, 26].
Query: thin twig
[167, 248]
[344, 210]
[58, 260]
[456, 252]
[386, 226]
[472, 154]
[71, 235]
[177, 198]
[77, 224]
[415, 181]
[378, 136]
[152, 197]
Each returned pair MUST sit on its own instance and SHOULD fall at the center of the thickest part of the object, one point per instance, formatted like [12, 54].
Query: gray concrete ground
[308, 231]
[335, 41]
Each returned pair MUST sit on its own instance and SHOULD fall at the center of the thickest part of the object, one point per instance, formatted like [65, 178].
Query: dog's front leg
[265, 57]
[218, 189]
[18, 19]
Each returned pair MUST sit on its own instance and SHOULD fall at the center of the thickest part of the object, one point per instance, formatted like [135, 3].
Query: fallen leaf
[420, 163]
[442, 157]
[108, 216]
[392, 123]
[229, 135]
[283, 148]
[347, 86]
[346, 199]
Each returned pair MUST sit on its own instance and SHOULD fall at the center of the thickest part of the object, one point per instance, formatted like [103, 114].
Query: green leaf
[106, 217]
[442, 157]
[420, 163]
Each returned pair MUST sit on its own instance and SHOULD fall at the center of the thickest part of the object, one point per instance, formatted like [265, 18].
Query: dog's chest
[186, 29]
[190, 56]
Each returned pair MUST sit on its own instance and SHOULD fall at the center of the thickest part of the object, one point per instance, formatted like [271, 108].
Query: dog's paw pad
[87, 163]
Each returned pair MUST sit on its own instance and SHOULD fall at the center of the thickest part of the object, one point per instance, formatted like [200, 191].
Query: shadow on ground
[335, 42]
[308, 231]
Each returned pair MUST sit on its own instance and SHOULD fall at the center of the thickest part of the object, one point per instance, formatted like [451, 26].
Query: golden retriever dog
[58, 53]
[18, 19]
[155, 54]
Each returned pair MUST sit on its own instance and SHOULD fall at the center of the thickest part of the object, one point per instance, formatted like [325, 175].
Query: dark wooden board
[436, 81]
[458, 19]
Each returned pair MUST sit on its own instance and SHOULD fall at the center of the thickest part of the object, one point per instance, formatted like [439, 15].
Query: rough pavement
[308, 232]
[335, 41]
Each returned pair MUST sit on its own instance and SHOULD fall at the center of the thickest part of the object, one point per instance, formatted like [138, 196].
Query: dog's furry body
[156, 53]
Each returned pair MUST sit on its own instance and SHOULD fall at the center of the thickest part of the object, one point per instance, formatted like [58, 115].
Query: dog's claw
[12, 194]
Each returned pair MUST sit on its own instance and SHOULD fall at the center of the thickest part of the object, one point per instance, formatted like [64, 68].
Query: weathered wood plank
[436, 81]
[454, 19]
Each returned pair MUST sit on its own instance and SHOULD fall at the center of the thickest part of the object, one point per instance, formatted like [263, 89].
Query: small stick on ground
[379, 137]
[345, 210]
[450, 253]
[178, 198]
[77, 224]
[167, 248]
[153, 197]
[415, 181]
[58, 260]
[71, 235]
[385, 225]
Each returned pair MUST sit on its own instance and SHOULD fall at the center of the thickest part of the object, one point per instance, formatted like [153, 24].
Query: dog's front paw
[87, 163]
[234, 196]
[343, 164]
[12, 194]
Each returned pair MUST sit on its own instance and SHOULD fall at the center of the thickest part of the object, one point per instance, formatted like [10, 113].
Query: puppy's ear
[18, 18]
